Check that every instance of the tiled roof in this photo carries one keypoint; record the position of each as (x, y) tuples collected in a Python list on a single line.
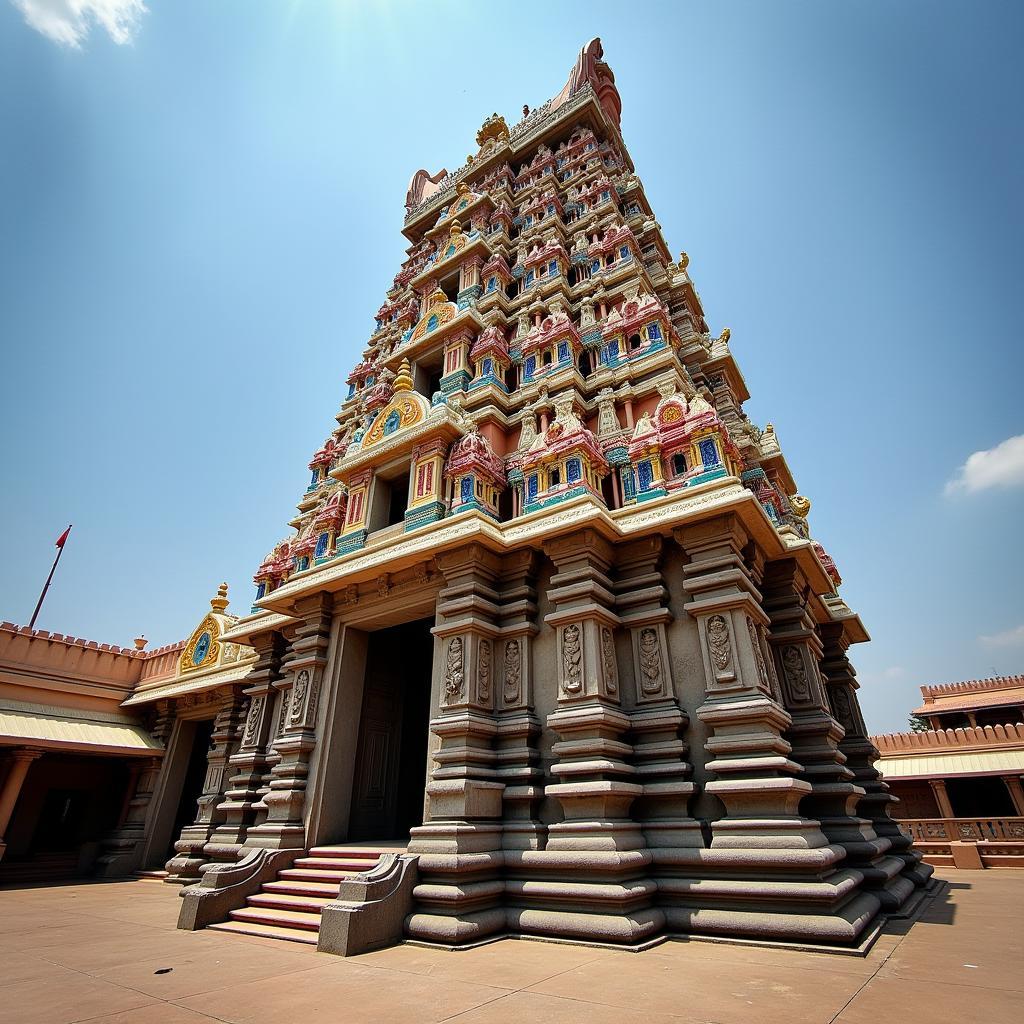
[(41, 725), (965, 762)]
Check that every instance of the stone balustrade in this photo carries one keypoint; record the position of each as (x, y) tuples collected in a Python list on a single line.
[(969, 842), (967, 830)]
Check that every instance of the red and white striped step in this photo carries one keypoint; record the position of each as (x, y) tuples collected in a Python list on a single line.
[(289, 907)]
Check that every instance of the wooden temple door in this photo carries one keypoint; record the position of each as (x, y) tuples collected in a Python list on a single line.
[(375, 787)]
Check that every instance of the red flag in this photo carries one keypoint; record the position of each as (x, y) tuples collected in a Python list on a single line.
[(63, 537)]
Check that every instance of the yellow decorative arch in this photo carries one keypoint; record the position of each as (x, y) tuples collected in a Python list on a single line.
[(439, 311), (200, 653), (402, 411)]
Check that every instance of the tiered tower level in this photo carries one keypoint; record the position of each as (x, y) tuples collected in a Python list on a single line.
[(643, 715)]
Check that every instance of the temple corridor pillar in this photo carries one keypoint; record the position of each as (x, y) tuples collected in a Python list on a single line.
[(18, 762), (1016, 791), (939, 791)]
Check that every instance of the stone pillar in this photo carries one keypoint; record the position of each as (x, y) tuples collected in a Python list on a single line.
[(459, 896), (17, 768), (815, 735), (279, 714), (657, 721), (596, 787), (303, 678), (596, 857), (238, 808), (516, 750), (861, 755), (941, 797), (1016, 791), (122, 849), (191, 854), (752, 774)]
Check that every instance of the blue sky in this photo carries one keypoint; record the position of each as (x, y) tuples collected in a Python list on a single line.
[(201, 212)]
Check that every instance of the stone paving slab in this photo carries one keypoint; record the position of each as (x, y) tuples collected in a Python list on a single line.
[(109, 954)]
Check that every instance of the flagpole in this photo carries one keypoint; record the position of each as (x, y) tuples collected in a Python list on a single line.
[(46, 585)]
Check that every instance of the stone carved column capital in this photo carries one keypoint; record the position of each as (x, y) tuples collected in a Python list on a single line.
[(586, 545)]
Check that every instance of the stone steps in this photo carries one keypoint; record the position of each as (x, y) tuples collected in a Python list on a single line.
[(350, 864), (289, 907), (287, 901), (346, 852), (282, 918), (303, 888), (317, 875), (266, 931)]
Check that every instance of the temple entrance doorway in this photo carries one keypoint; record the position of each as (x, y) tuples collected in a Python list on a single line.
[(192, 782), (391, 753)]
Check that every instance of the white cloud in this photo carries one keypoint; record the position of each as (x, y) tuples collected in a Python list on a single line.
[(894, 672), (1008, 638), (68, 22), (1002, 466)]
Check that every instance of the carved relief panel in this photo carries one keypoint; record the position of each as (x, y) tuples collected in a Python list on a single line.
[(253, 722), (608, 664), (801, 686), (454, 670), (483, 672), (512, 674), (845, 708), (650, 663), (470, 671), (766, 678), (303, 699), (719, 652), (587, 661), (570, 643)]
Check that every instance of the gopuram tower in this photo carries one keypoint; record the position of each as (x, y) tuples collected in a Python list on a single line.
[(551, 611)]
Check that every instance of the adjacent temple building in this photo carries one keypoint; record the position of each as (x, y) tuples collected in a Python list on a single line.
[(549, 649), (958, 781)]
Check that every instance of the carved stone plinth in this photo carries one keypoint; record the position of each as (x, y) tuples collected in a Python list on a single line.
[(516, 753), (191, 852), (458, 897), (238, 808), (657, 723), (810, 896), (841, 688), (597, 783), (303, 667), (815, 735)]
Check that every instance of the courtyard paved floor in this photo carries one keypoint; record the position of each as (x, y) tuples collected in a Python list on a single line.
[(109, 954)]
